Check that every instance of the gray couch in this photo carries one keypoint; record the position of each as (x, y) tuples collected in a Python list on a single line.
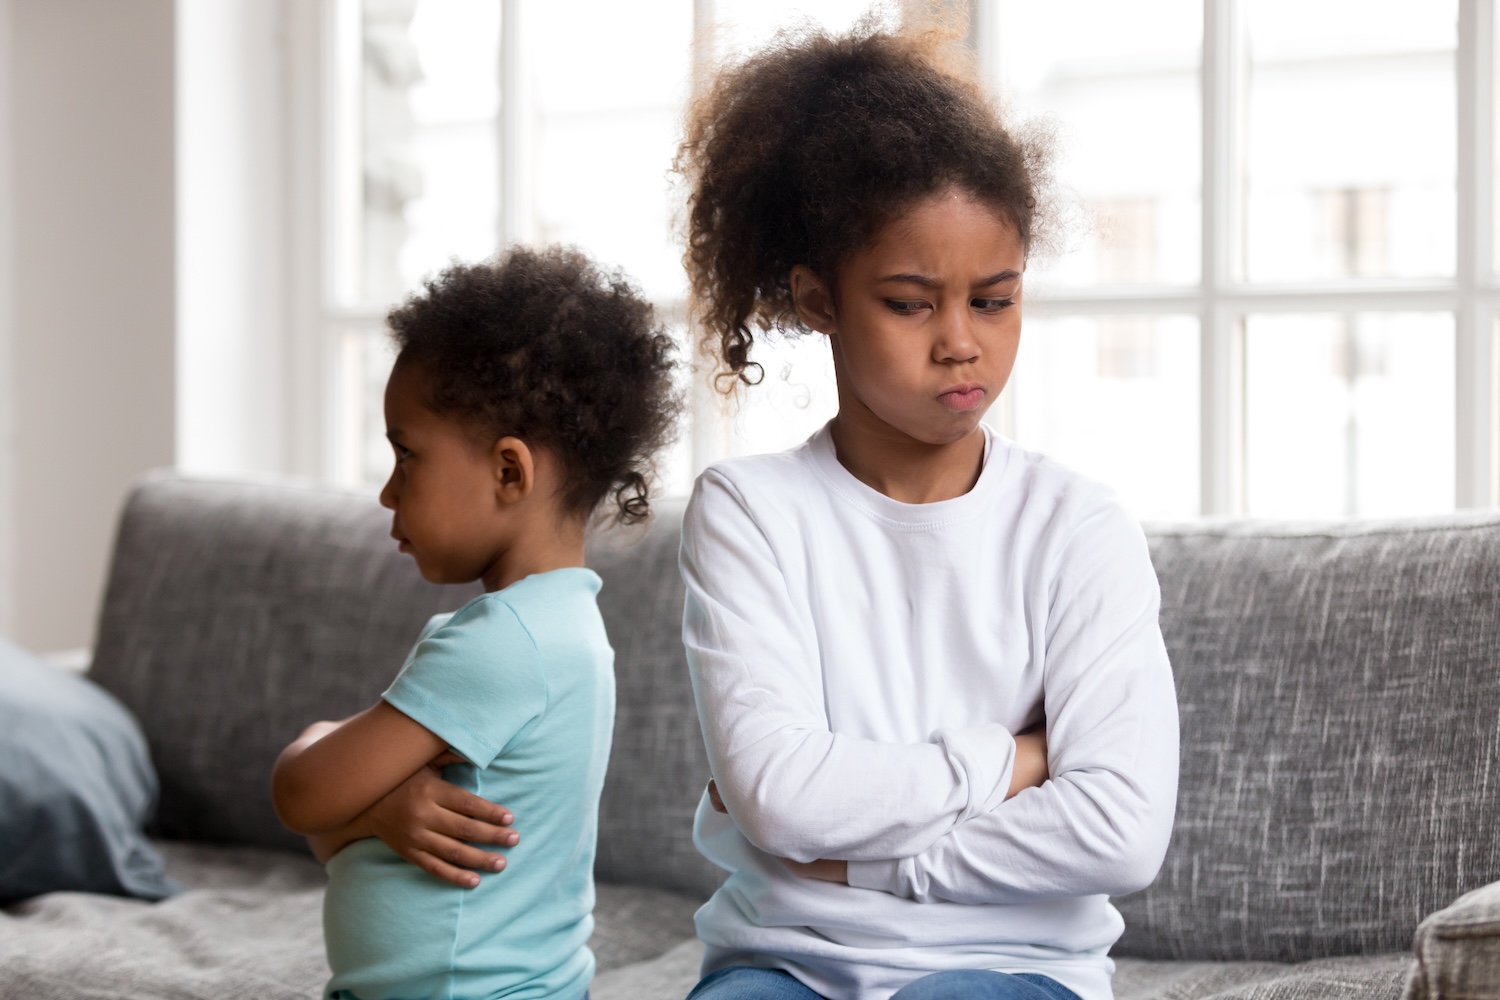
[(1340, 696)]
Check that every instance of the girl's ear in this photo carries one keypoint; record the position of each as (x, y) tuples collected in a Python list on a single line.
[(515, 469), (813, 300)]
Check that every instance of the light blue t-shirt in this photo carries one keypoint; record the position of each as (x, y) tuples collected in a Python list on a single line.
[(520, 683)]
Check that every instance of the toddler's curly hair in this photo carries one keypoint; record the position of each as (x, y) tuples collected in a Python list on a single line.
[(802, 153), (545, 345)]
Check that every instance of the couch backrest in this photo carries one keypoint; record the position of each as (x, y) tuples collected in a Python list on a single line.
[(1339, 690), (235, 614)]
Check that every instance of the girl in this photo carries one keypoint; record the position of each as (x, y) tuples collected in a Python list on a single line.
[(873, 615), (526, 390)]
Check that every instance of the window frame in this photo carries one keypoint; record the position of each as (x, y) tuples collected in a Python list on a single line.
[(1221, 301), (320, 392)]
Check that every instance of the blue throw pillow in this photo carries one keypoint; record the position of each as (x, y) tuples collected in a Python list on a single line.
[(76, 787)]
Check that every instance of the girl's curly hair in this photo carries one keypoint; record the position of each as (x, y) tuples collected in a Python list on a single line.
[(545, 345), (802, 153)]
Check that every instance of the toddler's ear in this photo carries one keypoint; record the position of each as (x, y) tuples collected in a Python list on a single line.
[(515, 469), (813, 300)]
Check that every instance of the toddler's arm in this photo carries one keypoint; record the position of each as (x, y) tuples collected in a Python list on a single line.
[(760, 700), (336, 770), (1100, 825), (432, 824)]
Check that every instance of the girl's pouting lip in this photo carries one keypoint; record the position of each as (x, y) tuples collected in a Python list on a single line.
[(962, 397)]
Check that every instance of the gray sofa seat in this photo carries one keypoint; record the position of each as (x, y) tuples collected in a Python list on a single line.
[(1340, 693)]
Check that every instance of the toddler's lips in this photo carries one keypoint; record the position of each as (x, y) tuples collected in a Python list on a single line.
[(962, 397)]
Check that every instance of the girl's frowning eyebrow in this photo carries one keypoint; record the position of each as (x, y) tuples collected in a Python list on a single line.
[(926, 282)]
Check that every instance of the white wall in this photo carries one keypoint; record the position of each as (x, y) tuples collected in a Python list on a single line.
[(7, 379), (91, 143)]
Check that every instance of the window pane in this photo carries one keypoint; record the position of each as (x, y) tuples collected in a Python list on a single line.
[(610, 82), (366, 354), (797, 394), (795, 398), (1121, 81), (1349, 414), (417, 172), (1115, 397), (742, 26), (1350, 166)]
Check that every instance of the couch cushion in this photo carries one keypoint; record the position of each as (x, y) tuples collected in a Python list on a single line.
[(1340, 703), (658, 767), (249, 928), (76, 787), (1458, 950), (1363, 977)]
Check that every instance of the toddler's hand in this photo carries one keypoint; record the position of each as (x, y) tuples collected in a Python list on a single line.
[(426, 821)]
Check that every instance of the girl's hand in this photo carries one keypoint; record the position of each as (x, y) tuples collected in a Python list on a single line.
[(427, 820), (1030, 768), (826, 869)]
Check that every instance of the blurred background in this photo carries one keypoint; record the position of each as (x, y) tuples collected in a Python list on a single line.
[(1276, 295)]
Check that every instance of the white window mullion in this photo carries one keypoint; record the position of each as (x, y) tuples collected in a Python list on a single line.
[(1221, 381), (1476, 410), (517, 137)]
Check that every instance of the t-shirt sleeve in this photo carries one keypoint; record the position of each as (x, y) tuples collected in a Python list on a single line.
[(475, 681)]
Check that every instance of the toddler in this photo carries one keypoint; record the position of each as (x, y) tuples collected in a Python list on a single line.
[(526, 390)]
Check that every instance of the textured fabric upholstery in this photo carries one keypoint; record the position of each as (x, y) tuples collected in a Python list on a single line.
[(658, 767), (248, 928), (1458, 950), (1340, 702)]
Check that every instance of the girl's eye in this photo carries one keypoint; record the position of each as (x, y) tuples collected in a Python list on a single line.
[(991, 305), (905, 307), (401, 453)]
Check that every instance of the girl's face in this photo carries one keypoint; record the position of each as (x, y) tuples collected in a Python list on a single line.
[(926, 322), (442, 491)]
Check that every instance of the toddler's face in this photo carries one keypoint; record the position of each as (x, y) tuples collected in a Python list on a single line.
[(442, 491), (928, 319)]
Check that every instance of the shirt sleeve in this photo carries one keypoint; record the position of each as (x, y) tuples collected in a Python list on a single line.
[(1102, 822), (794, 788), (475, 681)]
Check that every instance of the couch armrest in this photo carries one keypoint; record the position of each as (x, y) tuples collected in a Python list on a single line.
[(1458, 950)]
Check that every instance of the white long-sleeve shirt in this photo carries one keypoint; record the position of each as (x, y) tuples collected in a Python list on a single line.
[(860, 665)]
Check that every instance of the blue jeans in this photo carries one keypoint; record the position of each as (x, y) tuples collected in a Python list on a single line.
[(741, 982)]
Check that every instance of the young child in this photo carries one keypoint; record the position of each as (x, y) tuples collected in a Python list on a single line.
[(873, 615), (527, 389)]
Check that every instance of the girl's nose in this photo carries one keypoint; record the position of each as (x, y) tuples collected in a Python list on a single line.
[(955, 339), (388, 492)]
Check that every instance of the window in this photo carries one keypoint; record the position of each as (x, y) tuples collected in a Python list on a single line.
[(1280, 297), (1285, 277)]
